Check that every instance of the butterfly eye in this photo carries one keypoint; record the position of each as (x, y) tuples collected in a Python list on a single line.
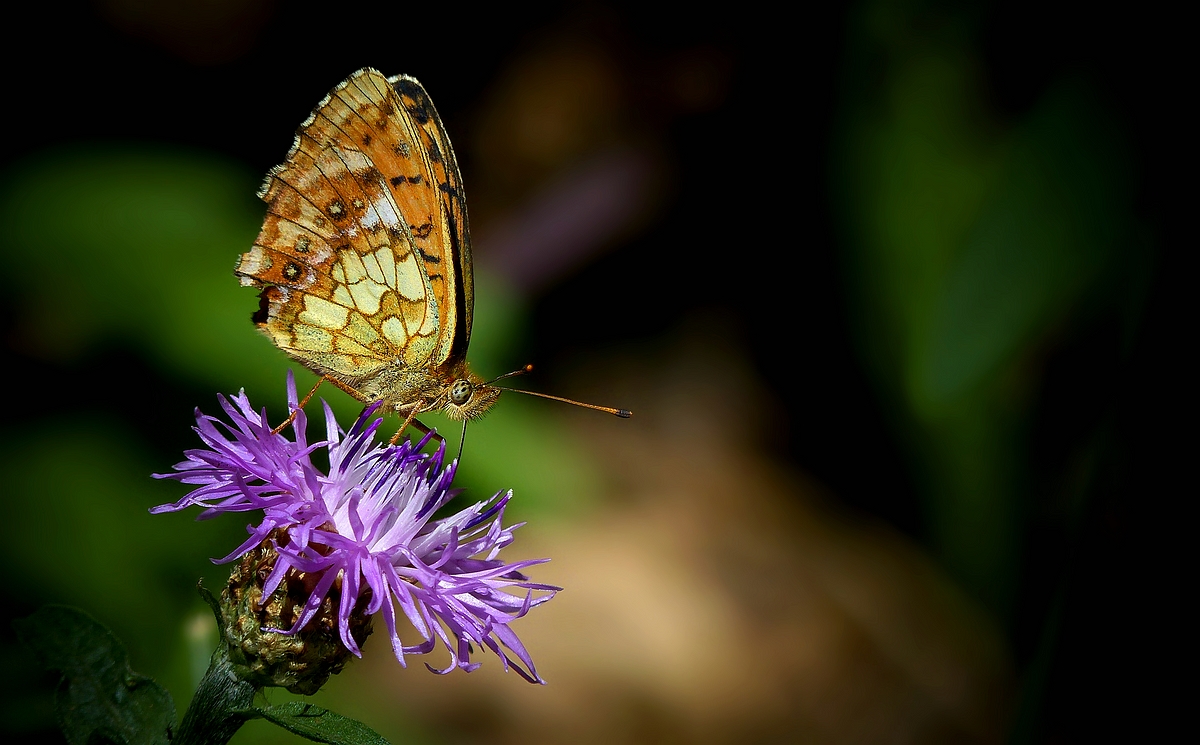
[(460, 391)]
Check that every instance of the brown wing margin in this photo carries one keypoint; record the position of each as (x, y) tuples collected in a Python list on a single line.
[(453, 205)]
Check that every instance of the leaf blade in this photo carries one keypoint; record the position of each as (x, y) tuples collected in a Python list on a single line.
[(318, 724), (100, 698)]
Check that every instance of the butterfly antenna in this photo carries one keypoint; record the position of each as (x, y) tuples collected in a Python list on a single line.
[(523, 371), (462, 441), (623, 413)]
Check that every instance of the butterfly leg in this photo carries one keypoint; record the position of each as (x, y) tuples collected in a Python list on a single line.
[(412, 414), (411, 420), (308, 396), (303, 402)]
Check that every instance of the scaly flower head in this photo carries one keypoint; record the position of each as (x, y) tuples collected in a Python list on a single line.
[(365, 530)]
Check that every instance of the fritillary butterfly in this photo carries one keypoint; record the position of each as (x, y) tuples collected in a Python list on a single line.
[(365, 257)]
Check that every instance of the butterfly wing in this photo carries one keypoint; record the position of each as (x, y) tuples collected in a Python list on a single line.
[(364, 237), (447, 235)]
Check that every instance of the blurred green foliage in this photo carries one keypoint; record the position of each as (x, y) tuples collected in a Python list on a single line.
[(973, 242), (134, 246)]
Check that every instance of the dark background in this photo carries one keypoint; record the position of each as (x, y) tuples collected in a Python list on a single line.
[(754, 221)]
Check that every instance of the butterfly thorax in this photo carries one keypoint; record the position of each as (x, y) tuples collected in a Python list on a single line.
[(453, 390)]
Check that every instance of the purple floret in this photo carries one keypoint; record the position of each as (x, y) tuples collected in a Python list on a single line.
[(371, 520)]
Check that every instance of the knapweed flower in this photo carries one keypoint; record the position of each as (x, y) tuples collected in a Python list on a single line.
[(366, 532)]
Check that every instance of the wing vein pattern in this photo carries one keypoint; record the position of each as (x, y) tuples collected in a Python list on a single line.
[(364, 254)]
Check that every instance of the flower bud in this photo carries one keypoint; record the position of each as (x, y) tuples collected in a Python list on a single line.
[(301, 662)]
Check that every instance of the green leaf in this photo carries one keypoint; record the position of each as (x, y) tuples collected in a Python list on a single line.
[(100, 699), (319, 725), (213, 605)]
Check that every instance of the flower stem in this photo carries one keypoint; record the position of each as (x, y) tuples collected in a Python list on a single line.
[(216, 711)]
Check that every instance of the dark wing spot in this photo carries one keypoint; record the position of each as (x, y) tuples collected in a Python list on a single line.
[(260, 316), (435, 153), (421, 231), (401, 148), (417, 103), (408, 88), (448, 189), (291, 271), (336, 209), (419, 114), (302, 244), (366, 140), (370, 175), (397, 180), (429, 259)]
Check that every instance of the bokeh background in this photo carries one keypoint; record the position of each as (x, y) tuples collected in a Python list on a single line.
[(891, 287)]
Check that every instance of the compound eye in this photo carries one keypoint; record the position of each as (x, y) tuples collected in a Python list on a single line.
[(460, 391)]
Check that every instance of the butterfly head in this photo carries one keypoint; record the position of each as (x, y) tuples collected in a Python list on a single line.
[(467, 396)]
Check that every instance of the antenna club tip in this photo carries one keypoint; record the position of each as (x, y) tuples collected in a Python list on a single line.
[(528, 368), (624, 413)]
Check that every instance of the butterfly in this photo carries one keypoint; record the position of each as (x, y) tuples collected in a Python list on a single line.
[(364, 255)]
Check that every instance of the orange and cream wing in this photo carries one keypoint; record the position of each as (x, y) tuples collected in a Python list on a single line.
[(361, 247)]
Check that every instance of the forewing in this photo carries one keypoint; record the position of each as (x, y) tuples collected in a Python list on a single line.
[(349, 286), (449, 236)]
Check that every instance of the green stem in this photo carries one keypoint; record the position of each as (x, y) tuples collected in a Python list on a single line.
[(216, 710)]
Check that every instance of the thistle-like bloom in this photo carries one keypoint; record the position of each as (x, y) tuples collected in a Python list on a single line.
[(367, 524)]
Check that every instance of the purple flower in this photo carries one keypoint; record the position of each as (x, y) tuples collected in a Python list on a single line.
[(369, 521)]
